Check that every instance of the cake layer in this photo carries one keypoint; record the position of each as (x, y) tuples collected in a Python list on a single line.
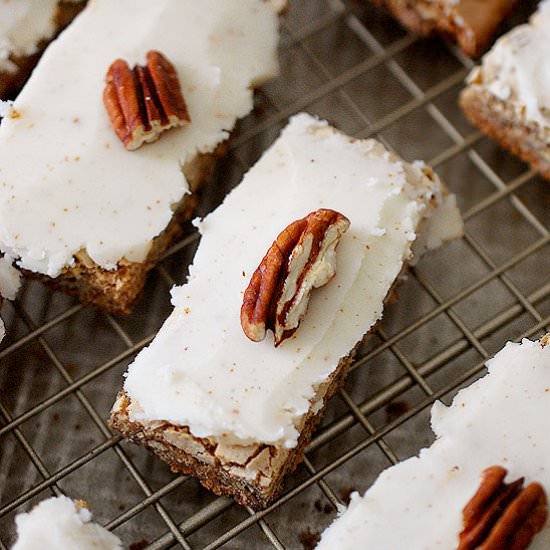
[(498, 420), (201, 371), (472, 23), (61, 523), (503, 123), (508, 95), (83, 192), (517, 69)]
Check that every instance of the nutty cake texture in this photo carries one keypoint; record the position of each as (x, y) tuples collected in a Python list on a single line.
[(471, 23)]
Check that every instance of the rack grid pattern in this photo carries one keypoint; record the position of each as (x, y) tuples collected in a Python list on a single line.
[(61, 364)]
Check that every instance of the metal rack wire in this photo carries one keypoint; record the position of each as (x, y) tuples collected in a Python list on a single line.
[(61, 365)]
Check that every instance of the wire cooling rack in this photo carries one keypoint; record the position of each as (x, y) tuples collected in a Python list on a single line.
[(61, 364)]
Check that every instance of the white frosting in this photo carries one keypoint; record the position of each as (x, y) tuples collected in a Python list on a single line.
[(10, 281), (501, 419), (517, 69), (23, 24), (66, 182), (201, 371), (445, 224), (5, 108), (59, 523)]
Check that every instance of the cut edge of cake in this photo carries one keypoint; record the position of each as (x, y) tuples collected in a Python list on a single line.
[(473, 33), (499, 120), (251, 474)]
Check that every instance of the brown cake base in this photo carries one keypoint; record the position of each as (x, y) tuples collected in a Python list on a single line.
[(499, 120), (471, 23), (252, 475)]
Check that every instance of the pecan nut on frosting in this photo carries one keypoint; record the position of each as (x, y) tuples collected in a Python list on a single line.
[(302, 257), (503, 516), (144, 101)]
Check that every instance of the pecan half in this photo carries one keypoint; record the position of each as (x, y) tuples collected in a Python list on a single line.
[(144, 101), (302, 257), (503, 516)]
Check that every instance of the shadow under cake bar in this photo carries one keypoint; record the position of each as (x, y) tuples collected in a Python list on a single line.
[(60, 523), (471, 23), (237, 413), (499, 422), (79, 210), (26, 26), (508, 95)]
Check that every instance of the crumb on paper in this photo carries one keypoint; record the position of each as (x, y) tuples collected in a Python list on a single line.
[(139, 545), (395, 409), (309, 539)]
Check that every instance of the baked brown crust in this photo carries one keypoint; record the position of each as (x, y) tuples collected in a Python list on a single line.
[(499, 120), (471, 23), (12, 81), (222, 476)]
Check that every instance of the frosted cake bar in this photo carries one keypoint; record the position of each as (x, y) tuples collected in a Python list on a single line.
[(86, 215), (502, 419), (236, 413), (508, 95)]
